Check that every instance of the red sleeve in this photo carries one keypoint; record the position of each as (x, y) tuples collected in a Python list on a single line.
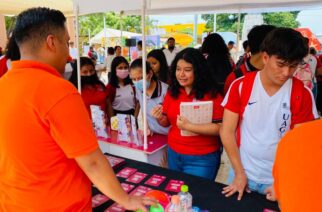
[(218, 110), (318, 63), (166, 102), (308, 110), (3, 65), (230, 79), (232, 99)]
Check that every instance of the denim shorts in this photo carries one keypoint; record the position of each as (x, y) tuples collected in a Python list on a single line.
[(205, 166)]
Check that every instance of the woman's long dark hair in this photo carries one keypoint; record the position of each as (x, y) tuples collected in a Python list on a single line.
[(203, 82), (113, 79), (163, 74), (83, 61), (218, 58)]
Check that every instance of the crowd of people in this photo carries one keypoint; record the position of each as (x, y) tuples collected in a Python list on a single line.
[(256, 102)]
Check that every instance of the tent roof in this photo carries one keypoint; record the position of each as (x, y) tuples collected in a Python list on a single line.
[(14, 7), (193, 6), (111, 33)]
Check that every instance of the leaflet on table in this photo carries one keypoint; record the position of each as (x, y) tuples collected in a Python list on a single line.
[(99, 122), (127, 130), (196, 113)]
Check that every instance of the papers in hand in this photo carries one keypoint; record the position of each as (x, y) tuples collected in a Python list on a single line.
[(196, 113), (99, 122)]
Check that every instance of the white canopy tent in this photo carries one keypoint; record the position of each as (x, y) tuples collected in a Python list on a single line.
[(111, 33), (143, 7)]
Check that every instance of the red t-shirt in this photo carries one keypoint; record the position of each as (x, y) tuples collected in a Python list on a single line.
[(190, 145), (3, 65), (94, 95)]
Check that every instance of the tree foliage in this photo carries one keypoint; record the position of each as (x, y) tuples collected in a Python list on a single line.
[(228, 22)]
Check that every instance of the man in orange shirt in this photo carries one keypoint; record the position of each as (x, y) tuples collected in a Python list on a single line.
[(48, 150), (297, 169)]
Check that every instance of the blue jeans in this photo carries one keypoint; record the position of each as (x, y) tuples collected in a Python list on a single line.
[(252, 185), (205, 166)]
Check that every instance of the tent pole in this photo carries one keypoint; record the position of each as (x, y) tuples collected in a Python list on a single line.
[(195, 30), (238, 32), (215, 22), (76, 9), (145, 141)]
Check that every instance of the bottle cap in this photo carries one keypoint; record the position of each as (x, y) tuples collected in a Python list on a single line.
[(175, 199), (184, 188), (156, 208)]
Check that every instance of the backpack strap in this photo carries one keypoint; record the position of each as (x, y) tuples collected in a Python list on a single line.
[(134, 98), (245, 93), (296, 99)]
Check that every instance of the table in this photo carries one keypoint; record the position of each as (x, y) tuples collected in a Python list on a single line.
[(156, 147), (206, 194)]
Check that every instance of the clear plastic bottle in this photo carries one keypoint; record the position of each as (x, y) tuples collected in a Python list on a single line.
[(174, 205), (185, 199)]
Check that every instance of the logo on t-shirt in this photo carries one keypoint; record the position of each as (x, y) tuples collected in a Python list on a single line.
[(285, 119), (250, 103)]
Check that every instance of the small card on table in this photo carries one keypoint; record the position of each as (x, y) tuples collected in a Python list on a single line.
[(137, 177), (174, 185), (127, 187), (126, 172), (155, 180), (140, 191), (98, 200)]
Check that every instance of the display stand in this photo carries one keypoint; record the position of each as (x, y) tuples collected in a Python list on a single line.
[(153, 154)]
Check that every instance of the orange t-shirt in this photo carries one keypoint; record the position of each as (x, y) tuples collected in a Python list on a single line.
[(44, 125), (297, 170)]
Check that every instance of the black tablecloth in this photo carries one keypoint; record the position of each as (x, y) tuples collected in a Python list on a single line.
[(206, 194)]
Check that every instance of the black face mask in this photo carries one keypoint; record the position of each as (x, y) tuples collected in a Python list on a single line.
[(171, 47), (89, 80)]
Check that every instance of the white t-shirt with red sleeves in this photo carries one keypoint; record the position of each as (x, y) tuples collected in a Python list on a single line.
[(265, 120)]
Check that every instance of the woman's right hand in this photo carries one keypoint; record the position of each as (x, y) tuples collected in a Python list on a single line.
[(156, 112)]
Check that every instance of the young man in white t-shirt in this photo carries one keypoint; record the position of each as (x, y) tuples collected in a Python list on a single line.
[(260, 108)]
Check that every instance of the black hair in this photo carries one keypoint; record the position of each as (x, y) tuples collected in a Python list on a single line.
[(203, 81), (12, 49), (231, 42), (256, 36), (113, 79), (83, 62), (245, 45), (171, 38), (35, 24), (312, 51), (110, 50), (115, 48), (137, 63), (287, 44), (163, 74), (139, 43), (218, 59)]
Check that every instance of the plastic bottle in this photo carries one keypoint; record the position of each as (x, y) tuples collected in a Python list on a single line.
[(174, 205), (185, 199)]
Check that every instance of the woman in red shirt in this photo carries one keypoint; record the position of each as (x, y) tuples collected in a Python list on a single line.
[(191, 82), (93, 90)]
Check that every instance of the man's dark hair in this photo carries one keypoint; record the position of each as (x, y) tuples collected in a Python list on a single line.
[(287, 44), (203, 81), (110, 50), (139, 43), (12, 49), (115, 48), (256, 36), (35, 24), (231, 42), (113, 80), (245, 45), (171, 38)]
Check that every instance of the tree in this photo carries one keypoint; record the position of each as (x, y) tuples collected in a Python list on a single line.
[(228, 22), (282, 19)]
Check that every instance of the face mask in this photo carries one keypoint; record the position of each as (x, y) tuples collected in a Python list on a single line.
[(171, 47), (139, 85), (89, 80), (122, 73)]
